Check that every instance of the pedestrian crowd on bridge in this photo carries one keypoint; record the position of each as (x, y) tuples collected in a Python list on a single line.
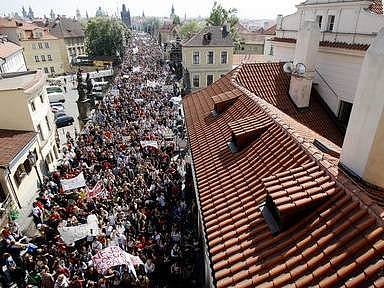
[(146, 205)]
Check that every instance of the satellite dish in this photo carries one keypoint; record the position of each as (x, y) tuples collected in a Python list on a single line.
[(300, 69), (288, 67)]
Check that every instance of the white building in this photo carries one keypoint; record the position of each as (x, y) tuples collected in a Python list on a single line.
[(24, 105), (11, 56), (347, 28)]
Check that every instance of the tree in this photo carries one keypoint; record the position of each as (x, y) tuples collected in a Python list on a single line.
[(189, 28), (106, 37), (220, 16)]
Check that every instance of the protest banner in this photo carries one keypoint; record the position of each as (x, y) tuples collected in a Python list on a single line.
[(97, 191), (73, 233), (149, 144), (114, 256), (73, 183)]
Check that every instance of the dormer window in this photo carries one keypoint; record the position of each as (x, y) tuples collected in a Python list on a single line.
[(293, 194), (248, 129), (222, 101)]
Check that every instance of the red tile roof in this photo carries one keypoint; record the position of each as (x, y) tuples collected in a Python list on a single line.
[(8, 48), (341, 45), (271, 83), (377, 7), (337, 237), (12, 142)]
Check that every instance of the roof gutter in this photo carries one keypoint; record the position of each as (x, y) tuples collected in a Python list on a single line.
[(201, 225)]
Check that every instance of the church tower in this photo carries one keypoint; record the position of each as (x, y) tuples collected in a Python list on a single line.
[(126, 16)]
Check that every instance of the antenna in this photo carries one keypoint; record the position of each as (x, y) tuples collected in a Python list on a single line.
[(288, 67), (300, 69)]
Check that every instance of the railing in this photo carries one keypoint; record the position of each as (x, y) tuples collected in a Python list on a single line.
[(350, 37)]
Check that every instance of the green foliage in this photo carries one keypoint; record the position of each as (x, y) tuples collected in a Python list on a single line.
[(106, 37), (220, 16), (189, 28)]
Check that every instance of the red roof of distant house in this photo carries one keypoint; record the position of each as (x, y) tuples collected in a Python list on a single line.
[(12, 142), (377, 7), (341, 45), (333, 232), (8, 48)]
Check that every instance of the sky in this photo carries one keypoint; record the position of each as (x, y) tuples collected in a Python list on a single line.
[(251, 9)]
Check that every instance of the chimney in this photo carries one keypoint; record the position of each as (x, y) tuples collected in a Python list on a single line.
[(225, 30), (362, 151), (279, 22), (307, 45)]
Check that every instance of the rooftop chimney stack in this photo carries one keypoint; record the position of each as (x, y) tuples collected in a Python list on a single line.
[(306, 51), (363, 150)]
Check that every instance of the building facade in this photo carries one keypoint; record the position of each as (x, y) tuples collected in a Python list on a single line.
[(11, 56), (19, 173), (347, 29), (25, 107), (42, 50), (207, 56), (72, 33)]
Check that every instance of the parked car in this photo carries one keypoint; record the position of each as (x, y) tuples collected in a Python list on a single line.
[(64, 121), (59, 114), (57, 106), (56, 97), (54, 89)]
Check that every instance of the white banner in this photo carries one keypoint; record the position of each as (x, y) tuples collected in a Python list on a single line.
[(114, 256), (73, 233), (149, 143), (73, 183)]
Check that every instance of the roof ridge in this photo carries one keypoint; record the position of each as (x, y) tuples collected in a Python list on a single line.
[(327, 163)]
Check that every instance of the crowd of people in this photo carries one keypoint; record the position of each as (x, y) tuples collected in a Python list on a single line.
[(147, 205)]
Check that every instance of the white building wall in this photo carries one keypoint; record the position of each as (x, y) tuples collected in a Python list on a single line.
[(340, 70)]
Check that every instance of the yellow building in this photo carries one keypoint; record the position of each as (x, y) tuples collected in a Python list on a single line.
[(207, 56), (42, 50)]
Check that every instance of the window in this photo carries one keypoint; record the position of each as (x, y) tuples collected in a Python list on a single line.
[(224, 57), (52, 69), (33, 106), (37, 59), (271, 50), (209, 79), (46, 70), (210, 57), (49, 57), (47, 121), (196, 81), (319, 20), (43, 58), (46, 44), (40, 132), (41, 98), (196, 58), (331, 22), (40, 45), (33, 45)]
